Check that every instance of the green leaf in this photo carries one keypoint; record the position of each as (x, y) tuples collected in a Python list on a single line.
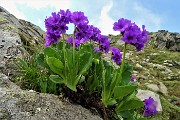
[(55, 65), (51, 52), (126, 75), (122, 91), (86, 48), (85, 62), (56, 79), (72, 87), (127, 115), (129, 104), (43, 85), (41, 61), (52, 88), (111, 102), (60, 45)]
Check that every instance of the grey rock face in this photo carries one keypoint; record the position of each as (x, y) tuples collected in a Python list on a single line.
[(15, 34), (17, 104), (9, 43), (169, 40)]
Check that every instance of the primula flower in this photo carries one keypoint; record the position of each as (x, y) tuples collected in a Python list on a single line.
[(96, 49), (149, 107), (145, 33), (132, 78), (132, 34), (129, 37), (116, 55), (79, 18), (56, 25), (76, 41), (65, 16), (51, 38), (121, 25), (83, 32), (104, 43), (95, 33)]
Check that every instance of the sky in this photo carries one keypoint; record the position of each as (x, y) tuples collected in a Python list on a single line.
[(154, 14)]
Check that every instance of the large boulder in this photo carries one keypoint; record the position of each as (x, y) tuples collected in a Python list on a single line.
[(16, 39), (165, 39), (17, 104)]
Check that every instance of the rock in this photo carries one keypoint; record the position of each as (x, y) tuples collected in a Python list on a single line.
[(144, 63), (171, 63), (160, 67), (154, 54), (173, 77), (128, 55), (16, 35), (138, 66), (160, 87), (163, 88), (144, 94), (153, 87), (17, 104), (2, 65), (169, 40), (147, 60), (167, 71)]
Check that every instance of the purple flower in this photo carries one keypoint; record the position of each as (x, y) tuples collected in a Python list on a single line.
[(95, 33), (121, 25), (65, 16), (144, 32), (132, 34), (96, 49), (62, 28), (79, 18), (139, 47), (76, 41), (55, 26), (83, 32), (129, 37), (51, 38), (116, 55), (104, 43), (132, 78), (149, 107)]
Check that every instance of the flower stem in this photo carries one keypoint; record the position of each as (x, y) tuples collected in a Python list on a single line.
[(64, 52), (74, 45), (123, 62)]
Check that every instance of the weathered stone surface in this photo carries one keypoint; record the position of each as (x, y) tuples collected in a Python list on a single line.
[(15, 36), (163, 88), (153, 87), (145, 94), (158, 87), (17, 104), (165, 39)]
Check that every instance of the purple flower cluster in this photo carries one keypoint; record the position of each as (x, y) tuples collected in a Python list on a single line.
[(149, 107), (116, 55), (57, 25), (132, 34)]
